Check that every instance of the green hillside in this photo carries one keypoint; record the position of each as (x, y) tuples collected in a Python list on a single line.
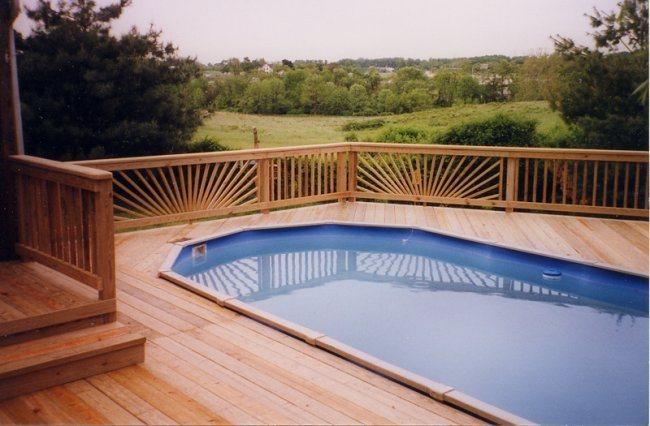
[(234, 130)]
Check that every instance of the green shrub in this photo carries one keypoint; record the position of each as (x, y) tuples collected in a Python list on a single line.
[(351, 137), (500, 130), (403, 135), (375, 123), (562, 137), (207, 144)]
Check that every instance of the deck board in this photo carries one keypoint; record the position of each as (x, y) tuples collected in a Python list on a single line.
[(26, 289), (207, 364)]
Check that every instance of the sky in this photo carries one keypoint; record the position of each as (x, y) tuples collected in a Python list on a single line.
[(212, 30)]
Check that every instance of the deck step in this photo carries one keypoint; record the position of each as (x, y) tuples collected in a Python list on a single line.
[(54, 360)]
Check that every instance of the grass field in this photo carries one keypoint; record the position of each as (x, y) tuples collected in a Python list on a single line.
[(235, 130)]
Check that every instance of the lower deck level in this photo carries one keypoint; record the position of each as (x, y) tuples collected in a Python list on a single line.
[(207, 364)]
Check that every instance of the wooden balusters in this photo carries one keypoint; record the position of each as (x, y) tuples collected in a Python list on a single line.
[(151, 190), (263, 183), (512, 170), (353, 162), (341, 174), (66, 222)]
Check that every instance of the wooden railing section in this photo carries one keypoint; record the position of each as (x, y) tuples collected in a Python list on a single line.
[(66, 222), (560, 180), (163, 189)]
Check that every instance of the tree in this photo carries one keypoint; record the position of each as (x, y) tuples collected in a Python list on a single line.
[(628, 27), (468, 89), (536, 77), (336, 101), (293, 80), (86, 93), (229, 91), (313, 94), (232, 65), (387, 101), (445, 83), (265, 97), (415, 100), (358, 99), (373, 81), (409, 78), (595, 92), (499, 80), (597, 88)]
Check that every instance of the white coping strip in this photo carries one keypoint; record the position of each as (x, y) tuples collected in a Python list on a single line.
[(171, 258)]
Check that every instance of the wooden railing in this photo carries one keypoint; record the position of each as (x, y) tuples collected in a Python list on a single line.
[(171, 188), (163, 189), (65, 216), (561, 180)]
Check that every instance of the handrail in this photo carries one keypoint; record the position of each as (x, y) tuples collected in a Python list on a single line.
[(497, 151), (65, 216), (125, 163), (60, 167), (129, 163), (170, 188)]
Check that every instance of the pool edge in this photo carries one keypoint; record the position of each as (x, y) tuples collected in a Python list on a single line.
[(594, 264), (435, 390)]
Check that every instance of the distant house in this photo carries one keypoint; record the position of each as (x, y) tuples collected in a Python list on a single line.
[(267, 68)]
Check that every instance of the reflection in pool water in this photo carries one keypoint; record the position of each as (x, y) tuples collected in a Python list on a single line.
[(476, 317)]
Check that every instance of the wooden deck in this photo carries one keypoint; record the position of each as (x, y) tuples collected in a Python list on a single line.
[(26, 289), (33, 297), (207, 364)]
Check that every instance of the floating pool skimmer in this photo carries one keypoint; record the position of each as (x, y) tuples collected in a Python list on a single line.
[(551, 274)]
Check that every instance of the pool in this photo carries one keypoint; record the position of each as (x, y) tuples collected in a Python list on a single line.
[(547, 339)]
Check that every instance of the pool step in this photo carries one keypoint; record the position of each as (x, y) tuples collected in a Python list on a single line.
[(49, 361)]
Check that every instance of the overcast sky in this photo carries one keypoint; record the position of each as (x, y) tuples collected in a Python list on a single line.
[(212, 30)]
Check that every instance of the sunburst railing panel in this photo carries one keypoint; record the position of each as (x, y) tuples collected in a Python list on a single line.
[(440, 178), (178, 192)]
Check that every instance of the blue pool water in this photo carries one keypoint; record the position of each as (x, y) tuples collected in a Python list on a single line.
[(480, 318)]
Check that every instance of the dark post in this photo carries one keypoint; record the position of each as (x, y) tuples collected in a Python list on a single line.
[(11, 137), (256, 141)]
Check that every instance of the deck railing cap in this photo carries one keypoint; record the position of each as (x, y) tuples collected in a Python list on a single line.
[(255, 154), (61, 167)]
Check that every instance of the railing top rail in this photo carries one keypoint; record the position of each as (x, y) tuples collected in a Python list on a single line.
[(87, 178), (127, 163), (499, 151), (256, 154), (60, 167)]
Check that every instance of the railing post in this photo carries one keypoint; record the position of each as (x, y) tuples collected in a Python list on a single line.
[(352, 174), (105, 242), (256, 140), (341, 174), (10, 128), (512, 172), (263, 183)]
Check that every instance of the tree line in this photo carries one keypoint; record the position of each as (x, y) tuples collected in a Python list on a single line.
[(341, 89)]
